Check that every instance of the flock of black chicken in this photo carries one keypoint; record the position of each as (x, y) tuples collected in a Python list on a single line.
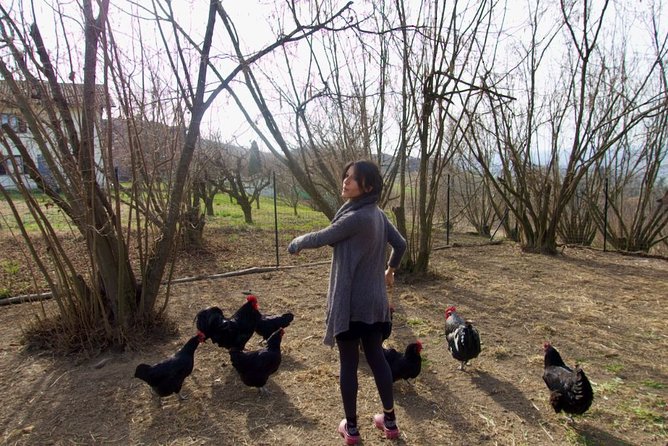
[(254, 367), (570, 390)]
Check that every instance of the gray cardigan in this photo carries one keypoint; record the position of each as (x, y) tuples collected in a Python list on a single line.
[(357, 290)]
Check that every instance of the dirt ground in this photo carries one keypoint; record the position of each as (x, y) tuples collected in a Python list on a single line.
[(604, 310)]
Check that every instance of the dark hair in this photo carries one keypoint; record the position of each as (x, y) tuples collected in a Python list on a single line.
[(367, 174)]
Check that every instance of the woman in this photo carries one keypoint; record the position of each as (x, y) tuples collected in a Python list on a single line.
[(357, 304)]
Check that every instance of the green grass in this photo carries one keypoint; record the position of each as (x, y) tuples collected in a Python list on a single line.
[(415, 322), (614, 368), (611, 386), (652, 417), (647, 415), (10, 267), (426, 362), (577, 439), (226, 214), (420, 327), (56, 218), (230, 215), (653, 384)]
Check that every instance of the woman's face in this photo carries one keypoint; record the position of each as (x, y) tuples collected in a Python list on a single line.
[(351, 188)]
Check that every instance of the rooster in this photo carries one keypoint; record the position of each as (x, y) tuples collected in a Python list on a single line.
[(232, 333), (570, 390), (255, 367), (405, 365), (166, 377), (209, 323), (267, 325), (462, 337)]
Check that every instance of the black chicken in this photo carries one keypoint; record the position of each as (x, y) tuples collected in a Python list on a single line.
[(166, 377), (209, 323), (267, 325), (462, 337), (255, 367), (232, 333), (405, 365), (570, 390)]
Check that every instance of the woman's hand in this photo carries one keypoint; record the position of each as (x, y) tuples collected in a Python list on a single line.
[(389, 277), (293, 246)]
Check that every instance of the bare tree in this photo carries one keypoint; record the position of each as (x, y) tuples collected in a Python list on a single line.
[(288, 190), (544, 154), (273, 136), (62, 117), (577, 225), (450, 44), (475, 200), (635, 220), (239, 173)]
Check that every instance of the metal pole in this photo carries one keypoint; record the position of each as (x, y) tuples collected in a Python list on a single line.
[(505, 215), (447, 214), (275, 220)]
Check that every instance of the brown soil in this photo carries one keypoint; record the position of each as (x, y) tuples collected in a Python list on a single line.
[(603, 310)]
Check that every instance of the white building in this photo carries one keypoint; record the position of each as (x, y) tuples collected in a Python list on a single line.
[(13, 166)]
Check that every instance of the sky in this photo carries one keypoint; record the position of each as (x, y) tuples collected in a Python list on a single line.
[(252, 18)]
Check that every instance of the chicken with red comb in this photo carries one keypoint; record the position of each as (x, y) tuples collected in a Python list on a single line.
[(232, 333), (406, 365), (461, 336), (570, 389)]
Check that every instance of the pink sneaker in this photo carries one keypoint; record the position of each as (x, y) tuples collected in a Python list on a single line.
[(343, 430), (379, 422)]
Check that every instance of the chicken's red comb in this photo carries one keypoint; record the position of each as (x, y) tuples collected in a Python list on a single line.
[(451, 309), (253, 300), (419, 344), (546, 345)]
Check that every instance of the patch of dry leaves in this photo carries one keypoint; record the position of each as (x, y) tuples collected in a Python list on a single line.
[(603, 310)]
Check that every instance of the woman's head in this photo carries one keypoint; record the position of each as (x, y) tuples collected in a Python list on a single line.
[(360, 179)]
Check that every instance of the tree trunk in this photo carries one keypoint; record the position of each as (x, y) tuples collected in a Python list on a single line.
[(247, 210)]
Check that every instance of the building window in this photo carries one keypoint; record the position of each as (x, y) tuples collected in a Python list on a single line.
[(6, 166), (17, 124)]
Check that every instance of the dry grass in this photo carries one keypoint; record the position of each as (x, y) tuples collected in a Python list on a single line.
[(603, 310)]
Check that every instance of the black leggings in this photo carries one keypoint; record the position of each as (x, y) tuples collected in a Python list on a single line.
[(349, 361)]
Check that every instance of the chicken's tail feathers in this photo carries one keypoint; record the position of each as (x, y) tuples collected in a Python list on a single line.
[(473, 332), (465, 342), (582, 385)]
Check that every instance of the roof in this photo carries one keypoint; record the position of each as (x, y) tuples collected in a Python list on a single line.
[(73, 92)]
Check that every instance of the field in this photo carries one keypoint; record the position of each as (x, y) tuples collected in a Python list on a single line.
[(603, 310)]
